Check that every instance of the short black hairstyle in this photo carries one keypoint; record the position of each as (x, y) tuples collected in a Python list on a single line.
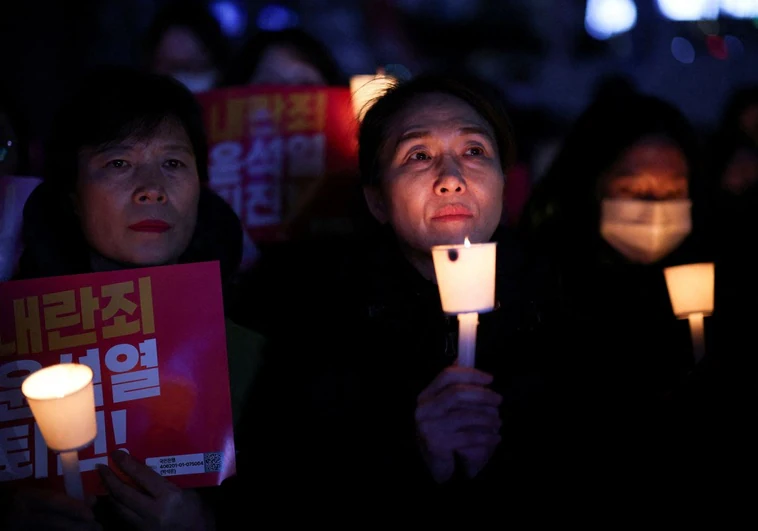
[(113, 103)]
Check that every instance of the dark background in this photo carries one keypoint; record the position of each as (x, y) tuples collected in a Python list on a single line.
[(538, 51)]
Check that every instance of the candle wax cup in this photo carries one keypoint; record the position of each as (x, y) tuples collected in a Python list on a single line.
[(691, 288), (466, 277), (62, 400)]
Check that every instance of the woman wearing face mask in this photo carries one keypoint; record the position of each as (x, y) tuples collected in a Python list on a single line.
[(621, 201), (288, 57), (186, 42), (126, 188)]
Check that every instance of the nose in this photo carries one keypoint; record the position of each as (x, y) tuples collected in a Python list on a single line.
[(150, 190), (450, 178), (150, 195)]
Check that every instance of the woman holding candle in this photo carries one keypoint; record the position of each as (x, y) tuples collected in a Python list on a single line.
[(125, 188), (623, 200), (387, 406)]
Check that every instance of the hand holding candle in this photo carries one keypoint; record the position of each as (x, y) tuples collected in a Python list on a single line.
[(62, 400), (466, 282), (691, 289)]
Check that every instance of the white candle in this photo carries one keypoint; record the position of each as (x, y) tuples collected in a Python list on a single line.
[(72, 478), (465, 276), (691, 289), (467, 323), (62, 400), (698, 335), (466, 282)]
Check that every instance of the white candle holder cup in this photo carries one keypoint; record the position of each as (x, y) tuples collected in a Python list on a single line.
[(62, 400), (691, 290), (466, 281)]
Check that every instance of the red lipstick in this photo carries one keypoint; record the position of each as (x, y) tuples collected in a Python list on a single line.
[(150, 225), (452, 213)]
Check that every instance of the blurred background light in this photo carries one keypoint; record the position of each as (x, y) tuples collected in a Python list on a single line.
[(740, 8), (689, 9), (606, 18), (274, 17), (682, 50), (231, 17)]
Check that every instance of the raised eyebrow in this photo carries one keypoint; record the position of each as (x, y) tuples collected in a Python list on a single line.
[(476, 130), (113, 148), (118, 148), (415, 134), (180, 147), (412, 135)]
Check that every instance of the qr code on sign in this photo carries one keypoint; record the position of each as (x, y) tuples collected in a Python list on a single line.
[(213, 461)]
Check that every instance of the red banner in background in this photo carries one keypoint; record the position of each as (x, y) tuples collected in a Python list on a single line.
[(155, 339), (273, 151)]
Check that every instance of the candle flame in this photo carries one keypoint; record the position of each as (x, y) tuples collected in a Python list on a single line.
[(466, 242)]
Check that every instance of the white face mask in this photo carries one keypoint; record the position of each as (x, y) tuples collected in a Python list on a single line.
[(645, 231), (197, 81)]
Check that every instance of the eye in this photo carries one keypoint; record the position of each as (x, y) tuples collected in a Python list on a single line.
[(475, 151), (117, 163), (174, 164), (419, 155)]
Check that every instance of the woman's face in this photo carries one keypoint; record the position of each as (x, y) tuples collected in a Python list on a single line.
[(182, 55), (441, 179), (280, 66), (137, 200), (181, 51), (652, 169)]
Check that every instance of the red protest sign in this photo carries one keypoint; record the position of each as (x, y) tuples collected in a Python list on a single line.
[(273, 150), (155, 340)]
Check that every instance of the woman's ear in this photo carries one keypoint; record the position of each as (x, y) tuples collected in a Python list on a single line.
[(375, 202)]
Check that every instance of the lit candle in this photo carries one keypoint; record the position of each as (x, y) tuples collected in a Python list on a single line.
[(365, 89), (466, 281), (691, 289), (62, 400)]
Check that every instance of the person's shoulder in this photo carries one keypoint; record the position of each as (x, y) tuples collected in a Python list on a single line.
[(528, 280), (238, 336), (511, 250), (518, 262), (245, 358)]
